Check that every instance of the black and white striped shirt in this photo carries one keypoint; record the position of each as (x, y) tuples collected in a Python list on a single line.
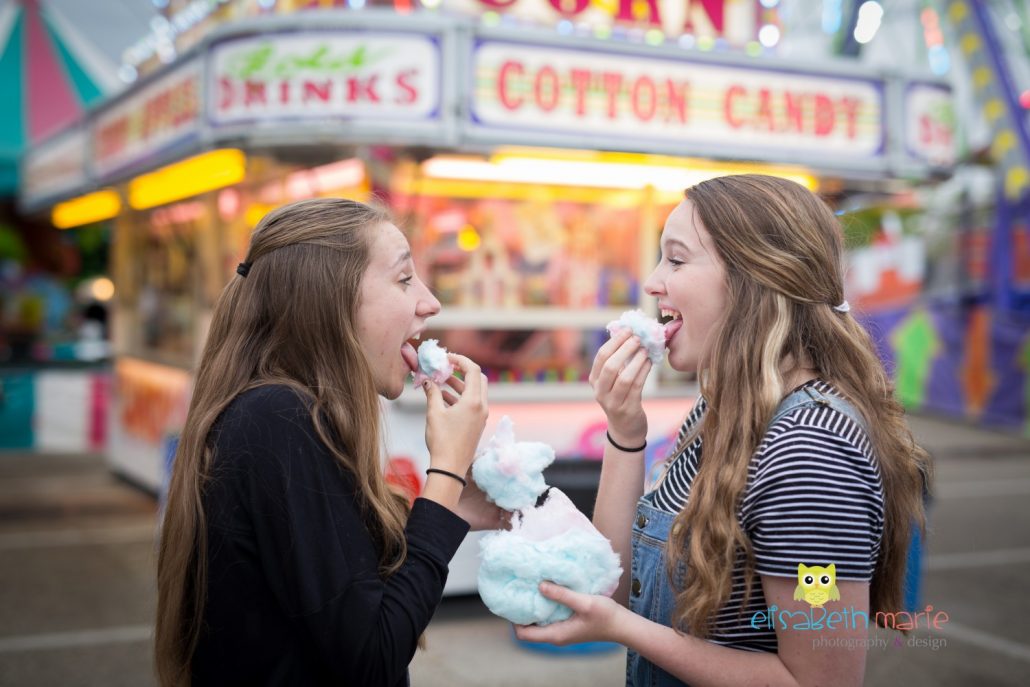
[(813, 496)]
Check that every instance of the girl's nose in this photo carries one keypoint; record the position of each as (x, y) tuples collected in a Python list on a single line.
[(428, 305), (653, 285)]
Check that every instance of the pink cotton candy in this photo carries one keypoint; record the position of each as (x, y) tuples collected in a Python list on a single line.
[(433, 363), (651, 332)]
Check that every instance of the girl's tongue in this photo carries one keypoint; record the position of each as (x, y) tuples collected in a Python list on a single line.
[(670, 330), (410, 356)]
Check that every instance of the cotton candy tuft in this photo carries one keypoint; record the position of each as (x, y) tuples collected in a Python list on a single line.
[(433, 363), (650, 331), (510, 472)]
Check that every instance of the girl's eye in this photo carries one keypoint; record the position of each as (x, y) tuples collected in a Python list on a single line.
[(407, 280), (674, 262)]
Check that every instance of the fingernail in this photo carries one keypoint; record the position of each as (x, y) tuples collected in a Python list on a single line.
[(425, 385)]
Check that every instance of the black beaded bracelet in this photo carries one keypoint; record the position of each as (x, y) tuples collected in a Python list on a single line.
[(625, 449), (449, 474)]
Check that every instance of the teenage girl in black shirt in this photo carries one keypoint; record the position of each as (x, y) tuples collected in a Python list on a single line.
[(285, 558)]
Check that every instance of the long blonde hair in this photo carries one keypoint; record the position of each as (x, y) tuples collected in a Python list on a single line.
[(782, 251), (290, 321)]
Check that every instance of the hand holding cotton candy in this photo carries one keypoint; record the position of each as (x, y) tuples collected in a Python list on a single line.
[(433, 363), (650, 331), (553, 542), (511, 472)]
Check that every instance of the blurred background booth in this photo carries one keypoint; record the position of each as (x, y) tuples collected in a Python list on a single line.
[(531, 160)]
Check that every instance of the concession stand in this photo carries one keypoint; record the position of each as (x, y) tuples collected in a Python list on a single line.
[(531, 170)]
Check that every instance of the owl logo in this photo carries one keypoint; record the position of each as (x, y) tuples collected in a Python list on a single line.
[(817, 585)]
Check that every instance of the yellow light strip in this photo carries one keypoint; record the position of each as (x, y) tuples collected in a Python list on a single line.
[(190, 177), (599, 170), (475, 189), (92, 207)]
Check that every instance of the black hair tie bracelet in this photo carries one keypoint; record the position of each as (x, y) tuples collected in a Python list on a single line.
[(452, 475), (625, 449)]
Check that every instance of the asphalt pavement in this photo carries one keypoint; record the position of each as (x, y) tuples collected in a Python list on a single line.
[(77, 583)]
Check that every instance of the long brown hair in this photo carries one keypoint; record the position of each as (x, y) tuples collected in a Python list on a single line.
[(290, 320), (783, 255)]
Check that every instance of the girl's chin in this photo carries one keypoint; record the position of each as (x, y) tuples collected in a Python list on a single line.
[(680, 363)]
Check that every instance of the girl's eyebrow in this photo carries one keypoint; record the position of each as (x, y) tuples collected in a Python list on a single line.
[(403, 258), (677, 242)]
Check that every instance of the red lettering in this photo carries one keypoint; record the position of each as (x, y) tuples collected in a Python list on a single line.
[(192, 107), (225, 93), (654, 17), (317, 91), (613, 86), (184, 98), (546, 89), (645, 99), (580, 82), (824, 115), (764, 115), (111, 139), (732, 93), (254, 92), (362, 89), (503, 92), (284, 92), (676, 101), (794, 112), (569, 8), (850, 107), (714, 13), (410, 93)]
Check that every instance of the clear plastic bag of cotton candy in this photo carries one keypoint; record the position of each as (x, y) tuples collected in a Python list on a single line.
[(550, 541)]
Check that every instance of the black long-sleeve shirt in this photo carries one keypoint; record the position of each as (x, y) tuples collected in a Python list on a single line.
[(293, 592)]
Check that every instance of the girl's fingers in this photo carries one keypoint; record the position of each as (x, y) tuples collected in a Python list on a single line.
[(456, 384), (432, 395), (605, 352), (448, 398), (473, 375), (630, 374), (618, 360)]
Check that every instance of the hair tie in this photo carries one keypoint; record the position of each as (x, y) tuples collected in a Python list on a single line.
[(243, 268), (843, 307)]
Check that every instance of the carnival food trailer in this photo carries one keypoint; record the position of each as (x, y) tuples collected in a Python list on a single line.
[(531, 171)]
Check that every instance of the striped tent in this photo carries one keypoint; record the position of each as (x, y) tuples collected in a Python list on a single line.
[(48, 75)]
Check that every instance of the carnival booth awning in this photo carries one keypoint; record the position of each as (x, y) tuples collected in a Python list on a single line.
[(49, 74)]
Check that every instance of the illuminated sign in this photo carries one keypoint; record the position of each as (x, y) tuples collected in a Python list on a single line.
[(325, 75), (55, 167), (159, 115), (930, 124), (521, 88), (733, 20)]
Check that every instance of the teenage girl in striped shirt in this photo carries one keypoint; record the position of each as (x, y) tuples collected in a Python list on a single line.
[(807, 457)]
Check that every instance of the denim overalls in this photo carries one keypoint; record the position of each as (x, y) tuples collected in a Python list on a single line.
[(650, 593)]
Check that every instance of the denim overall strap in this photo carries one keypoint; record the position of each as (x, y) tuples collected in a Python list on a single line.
[(650, 594), (810, 397)]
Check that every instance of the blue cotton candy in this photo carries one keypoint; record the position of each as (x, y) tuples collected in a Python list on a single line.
[(554, 542), (648, 329), (433, 363), (510, 472)]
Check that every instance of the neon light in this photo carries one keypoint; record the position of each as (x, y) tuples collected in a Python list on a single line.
[(87, 209), (193, 176)]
